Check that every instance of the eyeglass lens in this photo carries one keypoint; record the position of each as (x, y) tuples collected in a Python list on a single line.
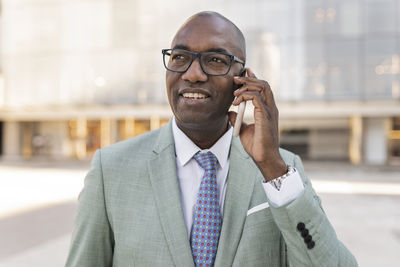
[(211, 62)]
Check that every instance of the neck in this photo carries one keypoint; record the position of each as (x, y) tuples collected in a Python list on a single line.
[(204, 135)]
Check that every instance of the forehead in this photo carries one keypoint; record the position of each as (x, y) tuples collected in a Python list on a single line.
[(206, 34)]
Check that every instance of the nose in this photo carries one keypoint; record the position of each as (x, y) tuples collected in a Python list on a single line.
[(195, 73)]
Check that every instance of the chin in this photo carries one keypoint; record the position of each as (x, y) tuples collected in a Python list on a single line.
[(199, 120), (192, 119)]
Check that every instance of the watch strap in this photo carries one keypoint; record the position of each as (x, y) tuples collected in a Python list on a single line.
[(277, 182)]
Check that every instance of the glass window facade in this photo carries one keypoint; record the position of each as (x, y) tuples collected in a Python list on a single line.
[(108, 51), (380, 16), (381, 68), (343, 69)]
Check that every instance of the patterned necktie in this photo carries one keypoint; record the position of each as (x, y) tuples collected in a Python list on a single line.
[(207, 218)]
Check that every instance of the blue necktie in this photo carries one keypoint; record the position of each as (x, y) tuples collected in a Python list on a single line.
[(207, 218)]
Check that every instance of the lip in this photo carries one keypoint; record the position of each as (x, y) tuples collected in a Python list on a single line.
[(193, 101), (194, 90)]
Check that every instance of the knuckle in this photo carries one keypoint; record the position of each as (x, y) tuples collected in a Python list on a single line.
[(268, 115)]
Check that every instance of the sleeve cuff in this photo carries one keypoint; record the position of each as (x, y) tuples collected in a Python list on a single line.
[(292, 187)]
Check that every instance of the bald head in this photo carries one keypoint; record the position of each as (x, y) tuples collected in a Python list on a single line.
[(222, 28)]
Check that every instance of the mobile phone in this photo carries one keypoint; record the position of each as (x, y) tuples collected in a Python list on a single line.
[(240, 113), (239, 118)]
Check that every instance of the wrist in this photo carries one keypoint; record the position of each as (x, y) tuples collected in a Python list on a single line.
[(277, 182), (273, 170)]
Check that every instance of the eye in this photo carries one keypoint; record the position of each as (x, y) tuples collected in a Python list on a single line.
[(216, 60), (178, 57)]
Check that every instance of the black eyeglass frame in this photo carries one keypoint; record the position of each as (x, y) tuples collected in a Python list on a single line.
[(199, 55)]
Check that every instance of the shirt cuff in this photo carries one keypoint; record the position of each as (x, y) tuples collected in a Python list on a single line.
[(292, 187)]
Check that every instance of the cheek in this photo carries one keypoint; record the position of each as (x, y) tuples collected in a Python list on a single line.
[(230, 87), (170, 81), (226, 92)]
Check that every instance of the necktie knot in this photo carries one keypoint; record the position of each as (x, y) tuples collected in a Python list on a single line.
[(207, 160)]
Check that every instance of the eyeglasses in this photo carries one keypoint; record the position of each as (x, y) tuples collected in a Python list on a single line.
[(212, 63)]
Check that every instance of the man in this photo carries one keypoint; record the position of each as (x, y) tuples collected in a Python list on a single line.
[(190, 193)]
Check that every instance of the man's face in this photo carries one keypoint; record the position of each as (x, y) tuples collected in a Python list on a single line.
[(198, 99)]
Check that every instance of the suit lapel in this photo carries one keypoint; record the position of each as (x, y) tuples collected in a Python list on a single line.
[(238, 195), (163, 177)]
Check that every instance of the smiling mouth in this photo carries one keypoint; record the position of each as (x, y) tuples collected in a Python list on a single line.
[(194, 95)]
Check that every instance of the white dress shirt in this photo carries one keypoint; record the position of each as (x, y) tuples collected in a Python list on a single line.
[(190, 173)]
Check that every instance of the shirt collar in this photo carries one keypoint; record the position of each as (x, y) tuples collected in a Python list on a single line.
[(186, 149)]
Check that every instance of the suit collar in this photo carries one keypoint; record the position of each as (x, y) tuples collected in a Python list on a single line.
[(241, 178), (165, 138), (166, 192), (241, 181)]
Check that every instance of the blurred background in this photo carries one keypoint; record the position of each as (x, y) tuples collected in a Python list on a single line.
[(77, 75)]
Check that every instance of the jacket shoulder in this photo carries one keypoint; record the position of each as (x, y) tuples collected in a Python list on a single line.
[(141, 146), (287, 156)]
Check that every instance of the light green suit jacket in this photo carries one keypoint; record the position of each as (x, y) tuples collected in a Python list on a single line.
[(130, 213)]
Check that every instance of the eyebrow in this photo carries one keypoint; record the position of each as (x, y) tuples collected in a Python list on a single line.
[(213, 49)]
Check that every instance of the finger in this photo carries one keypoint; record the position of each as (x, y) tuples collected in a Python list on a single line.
[(254, 96), (259, 86), (250, 73), (256, 85), (232, 118), (253, 82), (238, 80), (236, 119), (269, 95), (244, 80), (245, 88), (269, 112), (257, 100)]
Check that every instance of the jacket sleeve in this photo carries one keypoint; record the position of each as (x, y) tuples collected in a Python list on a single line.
[(308, 234), (92, 238)]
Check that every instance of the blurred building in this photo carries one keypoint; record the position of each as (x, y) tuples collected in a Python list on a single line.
[(76, 75)]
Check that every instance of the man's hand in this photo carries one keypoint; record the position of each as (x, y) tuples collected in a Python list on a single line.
[(261, 139)]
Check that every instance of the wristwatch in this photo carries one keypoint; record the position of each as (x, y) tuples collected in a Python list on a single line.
[(277, 182)]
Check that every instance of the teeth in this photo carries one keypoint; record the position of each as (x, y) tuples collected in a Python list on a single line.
[(194, 95)]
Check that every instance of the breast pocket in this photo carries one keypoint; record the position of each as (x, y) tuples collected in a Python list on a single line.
[(260, 241), (259, 219)]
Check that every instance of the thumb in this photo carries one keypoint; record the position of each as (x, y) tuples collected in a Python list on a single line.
[(232, 117)]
